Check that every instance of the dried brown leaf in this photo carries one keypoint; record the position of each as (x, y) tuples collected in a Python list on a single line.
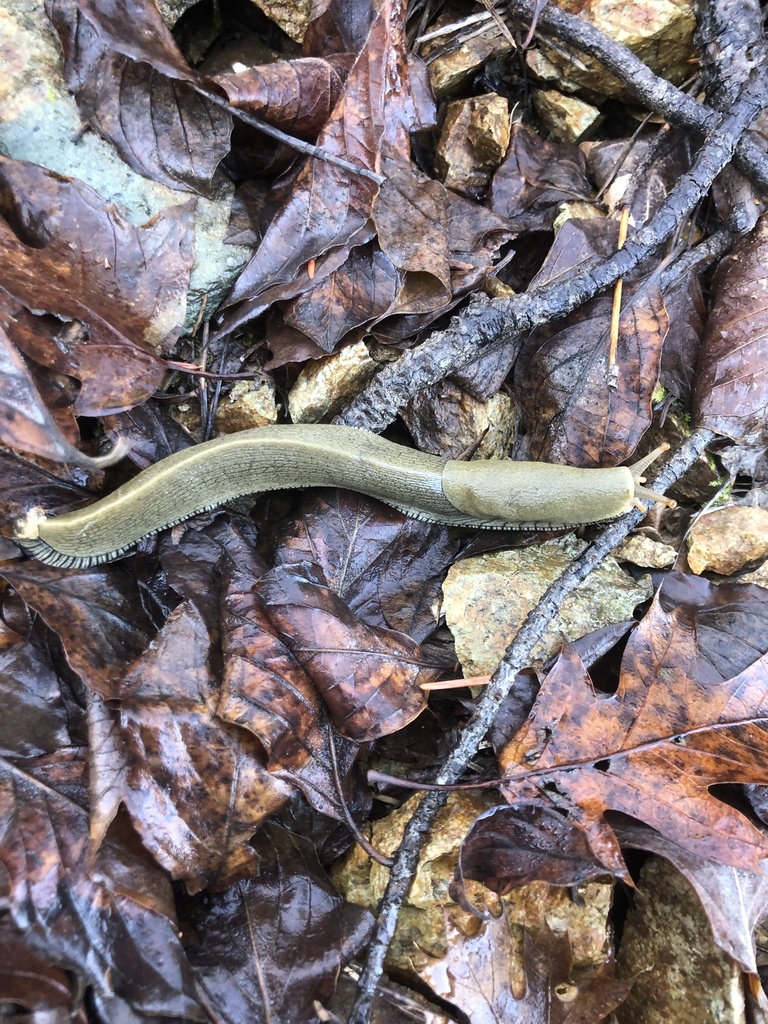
[(36, 718), (29, 981), (387, 567), (512, 846), (653, 750), (475, 977), (25, 422), (535, 179), (97, 615), (327, 212), (735, 901)]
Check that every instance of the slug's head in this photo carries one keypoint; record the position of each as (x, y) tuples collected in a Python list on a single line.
[(538, 494)]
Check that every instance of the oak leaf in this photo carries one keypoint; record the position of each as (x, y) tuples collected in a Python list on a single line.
[(653, 750)]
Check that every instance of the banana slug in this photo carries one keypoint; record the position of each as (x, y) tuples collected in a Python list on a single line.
[(501, 494)]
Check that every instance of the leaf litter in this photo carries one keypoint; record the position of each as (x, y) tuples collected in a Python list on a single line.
[(174, 722)]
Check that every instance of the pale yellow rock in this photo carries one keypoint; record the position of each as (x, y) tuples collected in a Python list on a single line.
[(325, 384), (727, 539), (566, 117), (681, 976), (473, 142), (646, 552), (291, 15), (249, 404), (487, 598), (579, 209), (452, 62), (429, 912), (759, 577), (659, 32)]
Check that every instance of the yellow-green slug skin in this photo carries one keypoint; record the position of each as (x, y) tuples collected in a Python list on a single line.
[(507, 494)]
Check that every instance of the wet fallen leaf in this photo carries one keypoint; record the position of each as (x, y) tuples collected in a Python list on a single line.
[(133, 85), (72, 913), (653, 750), (731, 392), (267, 948)]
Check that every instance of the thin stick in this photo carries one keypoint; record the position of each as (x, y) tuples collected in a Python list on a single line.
[(613, 372), (457, 684), (298, 144)]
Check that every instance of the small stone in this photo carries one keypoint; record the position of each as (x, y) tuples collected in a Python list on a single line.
[(566, 117), (324, 385), (450, 65), (727, 539), (487, 598), (473, 142), (447, 421), (646, 552), (250, 403)]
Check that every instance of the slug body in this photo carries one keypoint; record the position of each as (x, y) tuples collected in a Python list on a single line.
[(501, 494)]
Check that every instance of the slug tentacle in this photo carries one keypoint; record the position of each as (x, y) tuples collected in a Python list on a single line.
[(637, 469), (499, 494)]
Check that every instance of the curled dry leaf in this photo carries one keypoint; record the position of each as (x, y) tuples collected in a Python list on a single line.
[(297, 96), (535, 179), (507, 847), (25, 422)]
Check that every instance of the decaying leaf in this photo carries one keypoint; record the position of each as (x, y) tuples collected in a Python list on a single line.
[(730, 395), (133, 85), (674, 729), (578, 411), (65, 251), (267, 948), (112, 922), (475, 976)]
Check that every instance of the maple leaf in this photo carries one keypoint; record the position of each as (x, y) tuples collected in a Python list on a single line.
[(673, 729)]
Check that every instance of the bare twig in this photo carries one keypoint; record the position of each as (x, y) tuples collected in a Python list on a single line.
[(298, 144)]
